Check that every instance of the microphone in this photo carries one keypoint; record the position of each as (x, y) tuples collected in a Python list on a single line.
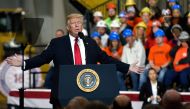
[(81, 35)]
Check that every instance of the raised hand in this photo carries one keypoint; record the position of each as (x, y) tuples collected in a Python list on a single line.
[(15, 60)]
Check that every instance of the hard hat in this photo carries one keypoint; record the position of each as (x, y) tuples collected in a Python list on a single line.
[(145, 10), (176, 7), (98, 13), (127, 33), (156, 23), (95, 34), (166, 12), (101, 23), (176, 26), (188, 15), (114, 36), (130, 9), (122, 14), (115, 23), (110, 6), (172, 0), (141, 24), (183, 35), (130, 2), (159, 33)]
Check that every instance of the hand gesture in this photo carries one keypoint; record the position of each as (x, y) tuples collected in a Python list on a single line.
[(15, 60), (158, 98), (151, 98), (135, 68)]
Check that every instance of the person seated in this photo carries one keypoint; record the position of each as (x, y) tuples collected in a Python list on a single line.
[(181, 64), (172, 100), (101, 28), (77, 102), (133, 53), (158, 58), (175, 30), (96, 36), (132, 13), (114, 50), (152, 91), (96, 105), (112, 16), (153, 5), (121, 102)]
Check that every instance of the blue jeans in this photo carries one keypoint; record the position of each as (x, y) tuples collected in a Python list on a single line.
[(144, 76), (135, 80), (121, 80), (183, 77)]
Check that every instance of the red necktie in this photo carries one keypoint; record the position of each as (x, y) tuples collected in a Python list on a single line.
[(78, 59)]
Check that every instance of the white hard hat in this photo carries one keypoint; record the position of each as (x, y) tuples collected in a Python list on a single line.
[(131, 9), (184, 36), (98, 13), (115, 23), (176, 26), (101, 23), (166, 12)]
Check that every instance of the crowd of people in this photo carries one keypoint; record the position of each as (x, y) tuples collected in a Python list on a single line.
[(152, 38), (170, 100)]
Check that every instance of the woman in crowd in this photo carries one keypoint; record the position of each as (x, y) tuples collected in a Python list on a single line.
[(152, 91), (115, 49)]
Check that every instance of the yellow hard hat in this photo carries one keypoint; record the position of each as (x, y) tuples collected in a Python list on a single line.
[(188, 15), (141, 24), (145, 10), (130, 2)]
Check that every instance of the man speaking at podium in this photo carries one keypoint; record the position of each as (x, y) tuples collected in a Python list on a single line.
[(72, 49)]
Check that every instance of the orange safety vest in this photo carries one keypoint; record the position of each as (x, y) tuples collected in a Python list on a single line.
[(180, 54)]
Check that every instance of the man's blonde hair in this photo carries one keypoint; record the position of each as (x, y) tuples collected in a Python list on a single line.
[(74, 15)]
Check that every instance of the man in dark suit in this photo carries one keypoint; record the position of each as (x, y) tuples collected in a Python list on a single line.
[(71, 50)]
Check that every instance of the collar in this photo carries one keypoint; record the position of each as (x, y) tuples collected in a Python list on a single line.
[(73, 38)]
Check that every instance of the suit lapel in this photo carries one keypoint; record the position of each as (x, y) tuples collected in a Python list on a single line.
[(69, 50), (86, 52), (150, 88)]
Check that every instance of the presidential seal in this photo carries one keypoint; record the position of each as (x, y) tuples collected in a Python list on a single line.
[(88, 80)]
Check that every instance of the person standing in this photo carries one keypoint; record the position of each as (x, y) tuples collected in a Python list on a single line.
[(70, 50)]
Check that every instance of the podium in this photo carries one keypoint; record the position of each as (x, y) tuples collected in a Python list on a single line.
[(95, 82)]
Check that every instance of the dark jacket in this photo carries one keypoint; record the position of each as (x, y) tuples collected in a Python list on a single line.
[(60, 51), (146, 92)]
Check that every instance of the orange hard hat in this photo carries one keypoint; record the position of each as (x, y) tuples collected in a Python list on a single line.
[(110, 6)]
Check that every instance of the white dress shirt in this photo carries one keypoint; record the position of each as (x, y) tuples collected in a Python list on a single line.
[(154, 92), (81, 46), (134, 54)]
